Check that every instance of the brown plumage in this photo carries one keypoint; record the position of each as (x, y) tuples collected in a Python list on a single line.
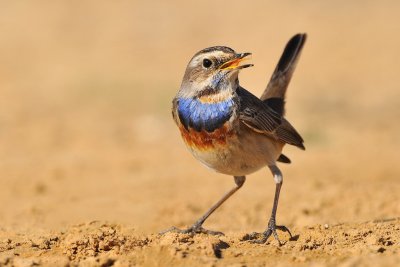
[(229, 129)]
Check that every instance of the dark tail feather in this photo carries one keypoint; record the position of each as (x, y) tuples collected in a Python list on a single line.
[(282, 158), (284, 70)]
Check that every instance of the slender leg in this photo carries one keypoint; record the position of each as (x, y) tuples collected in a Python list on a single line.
[(197, 226), (272, 227)]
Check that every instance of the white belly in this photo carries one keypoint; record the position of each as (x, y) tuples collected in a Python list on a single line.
[(242, 154)]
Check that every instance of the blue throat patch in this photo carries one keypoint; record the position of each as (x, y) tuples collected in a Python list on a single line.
[(208, 116)]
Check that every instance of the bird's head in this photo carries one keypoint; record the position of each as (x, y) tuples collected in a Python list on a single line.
[(213, 69)]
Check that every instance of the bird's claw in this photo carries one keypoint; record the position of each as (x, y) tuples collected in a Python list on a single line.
[(194, 229), (261, 238)]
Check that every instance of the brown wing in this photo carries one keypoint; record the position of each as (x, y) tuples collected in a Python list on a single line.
[(261, 118), (287, 133), (256, 114)]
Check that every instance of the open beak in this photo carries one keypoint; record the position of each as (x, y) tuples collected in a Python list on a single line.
[(234, 64)]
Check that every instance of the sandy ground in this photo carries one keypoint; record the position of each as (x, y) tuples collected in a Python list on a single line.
[(102, 244), (92, 166)]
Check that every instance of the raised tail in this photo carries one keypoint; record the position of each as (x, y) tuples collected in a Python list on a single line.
[(274, 94)]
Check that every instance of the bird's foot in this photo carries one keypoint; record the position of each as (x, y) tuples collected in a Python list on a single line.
[(194, 229), (261, 238)]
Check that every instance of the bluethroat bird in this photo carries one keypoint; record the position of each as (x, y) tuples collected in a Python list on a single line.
[(232, 131)]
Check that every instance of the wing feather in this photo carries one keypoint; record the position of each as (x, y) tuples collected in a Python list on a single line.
[(261, 118)]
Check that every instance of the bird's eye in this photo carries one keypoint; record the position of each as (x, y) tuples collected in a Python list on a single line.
[(207, 63)]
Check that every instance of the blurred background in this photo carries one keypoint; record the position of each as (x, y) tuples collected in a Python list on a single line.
[(85, 123)]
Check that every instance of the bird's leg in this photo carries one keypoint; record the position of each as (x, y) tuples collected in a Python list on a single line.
[(272, 227), (197, 227)]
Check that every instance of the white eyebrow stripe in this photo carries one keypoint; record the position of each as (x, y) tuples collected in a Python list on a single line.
[(213, 54)]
